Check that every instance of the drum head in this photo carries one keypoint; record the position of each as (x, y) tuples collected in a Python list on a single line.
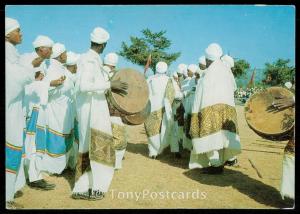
[(139, 118), (138, 92), (264, 119)]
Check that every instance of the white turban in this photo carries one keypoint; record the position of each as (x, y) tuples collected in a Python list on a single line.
[(202, 60), (161, 67), (288, 85), (182, 68), (111, 59), (44, 41), (193, 68), (99, 35), (228, 61), (10, 25), (213, 52), (72, 58), (175, 75), (57, 50)]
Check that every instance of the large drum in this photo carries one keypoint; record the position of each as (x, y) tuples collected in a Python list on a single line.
[(266, 120), (138, 93), (138, 118)]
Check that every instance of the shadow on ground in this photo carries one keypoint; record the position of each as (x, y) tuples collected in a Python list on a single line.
[(253, 188)]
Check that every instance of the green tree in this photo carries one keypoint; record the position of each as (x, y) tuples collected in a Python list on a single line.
[(240, 68), (152, 43), (279, 72)]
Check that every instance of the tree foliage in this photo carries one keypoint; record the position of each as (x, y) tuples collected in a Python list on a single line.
[(279, 72), (152, 43), (240, 68)]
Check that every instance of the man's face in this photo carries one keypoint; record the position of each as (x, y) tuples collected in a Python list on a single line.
[(72, 68), (15, 37), (103, 47), (63, 57), (190, 73), (45, 52), (208, 62), (201, 66)]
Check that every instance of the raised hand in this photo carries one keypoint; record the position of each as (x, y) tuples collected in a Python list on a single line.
[(37, 61)]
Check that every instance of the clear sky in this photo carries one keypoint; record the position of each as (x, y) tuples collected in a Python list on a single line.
[(258, 34)]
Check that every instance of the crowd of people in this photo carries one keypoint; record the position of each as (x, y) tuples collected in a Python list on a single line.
[(58, 114)]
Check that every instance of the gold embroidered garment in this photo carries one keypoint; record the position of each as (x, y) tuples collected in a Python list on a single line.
[(101, 148), (170, 92), (290, 147), (153, 122), (119, 137), (212, 119)]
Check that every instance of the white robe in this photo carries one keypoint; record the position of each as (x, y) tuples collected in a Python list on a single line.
[(60, 115), (157, 87), (92, 112), (214, 88), (16, 77)]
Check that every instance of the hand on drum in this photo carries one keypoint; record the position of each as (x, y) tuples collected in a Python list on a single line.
[(119, 87), (283, 102)]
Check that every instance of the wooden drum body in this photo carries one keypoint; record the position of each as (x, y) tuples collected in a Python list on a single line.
[(267, 121)]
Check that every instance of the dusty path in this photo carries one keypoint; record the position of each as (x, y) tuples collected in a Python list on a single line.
[(238, 187)]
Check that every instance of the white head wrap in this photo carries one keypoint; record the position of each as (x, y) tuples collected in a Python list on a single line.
[(193, 68), (161, 67), (72, 58), (111, 59), (288, 85), (213, 52), (181, 68), (57, 50), (99, 35), (202, 60), (42, 41), (10, 25), (228, 61)]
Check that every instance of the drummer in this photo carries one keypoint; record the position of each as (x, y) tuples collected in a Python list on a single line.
[(96, 157), (118, 127), (287, 188)]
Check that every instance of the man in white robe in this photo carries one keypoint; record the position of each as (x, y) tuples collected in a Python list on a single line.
[(96, 157), (188, 91), (36, 98), (118, 127), (161, 97), (16, 77), (214, 128), (60, 114)]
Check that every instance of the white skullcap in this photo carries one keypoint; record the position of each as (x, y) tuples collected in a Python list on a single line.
[(228, 61), (99, 35), (57, 50), (193, 68), (72, 58), (111, 59), (213, 52), (42, 41), (288, 85), (202, 60), (181, 68), (175, 75), (161, 67), (10, 25)]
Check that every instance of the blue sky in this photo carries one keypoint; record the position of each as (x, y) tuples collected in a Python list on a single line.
[(257, 34)]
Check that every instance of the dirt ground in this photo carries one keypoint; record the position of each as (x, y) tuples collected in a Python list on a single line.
[(168, 183)]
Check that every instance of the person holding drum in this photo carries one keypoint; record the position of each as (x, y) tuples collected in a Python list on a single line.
[(287, 187), (96, 157), (118, 127), (214, 128), (161, 97)]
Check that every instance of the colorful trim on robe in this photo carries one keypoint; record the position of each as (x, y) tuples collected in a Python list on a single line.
[(58, 144), (212, 119), (153, 122), (13, 155), (119, 136), (40, 139), (31, 123)]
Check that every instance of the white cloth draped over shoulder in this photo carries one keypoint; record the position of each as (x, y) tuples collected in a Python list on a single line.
[(214, 123), (16, 77), (93, 114)]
